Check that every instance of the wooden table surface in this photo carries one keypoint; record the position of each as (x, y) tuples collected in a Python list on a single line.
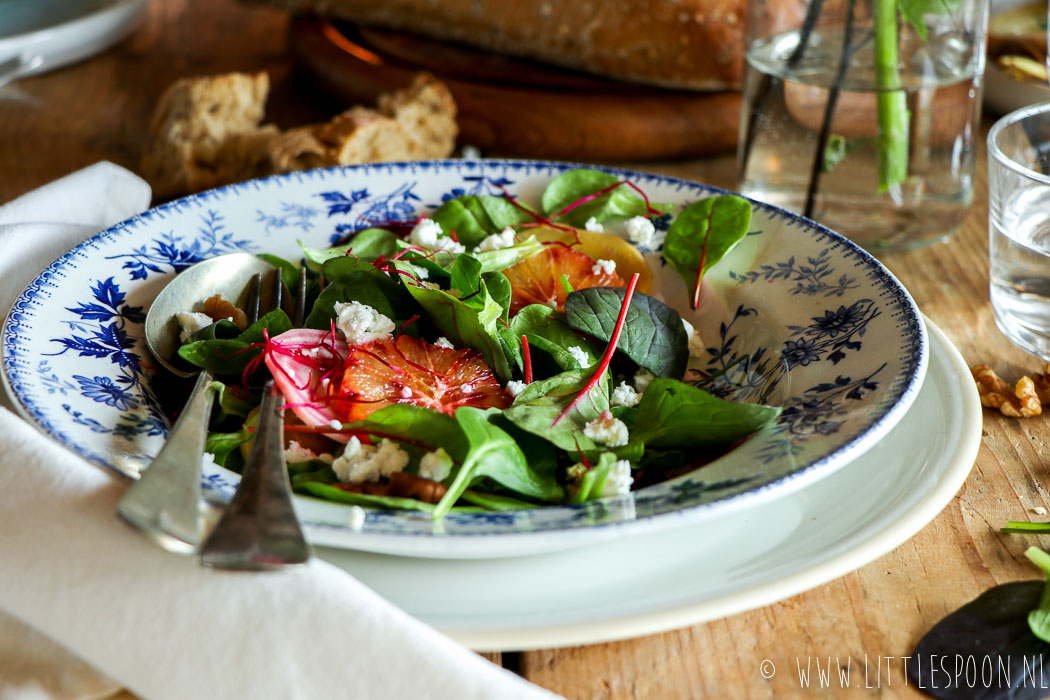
[(56, 123)]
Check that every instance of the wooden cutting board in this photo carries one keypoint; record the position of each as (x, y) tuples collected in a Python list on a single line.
[(510, 106)]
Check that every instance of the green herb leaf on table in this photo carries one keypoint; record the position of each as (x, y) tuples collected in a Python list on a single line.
[(675, 414), (703, 234), (653, 335), (1039, 618), (994, 626)]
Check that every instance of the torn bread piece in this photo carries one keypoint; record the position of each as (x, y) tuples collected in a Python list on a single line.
[(207, 132)]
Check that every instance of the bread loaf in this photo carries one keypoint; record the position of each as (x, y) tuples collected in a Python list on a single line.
[(694, 44), (206, 132)]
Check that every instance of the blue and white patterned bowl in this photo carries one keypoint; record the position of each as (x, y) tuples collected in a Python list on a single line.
[(824, 329)]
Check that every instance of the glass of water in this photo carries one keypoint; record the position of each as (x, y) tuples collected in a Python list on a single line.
[(1019, 226), (864, 114)]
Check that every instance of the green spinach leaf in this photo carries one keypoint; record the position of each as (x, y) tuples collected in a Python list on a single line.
[(493, 453), (423, 426), (220, 445), (536, 409), (548, 331), (230, 356), (653, 335), (675, 414), (502, 258), (471, 323), (357, 287), (368, 245), (705, 232), (574, 185)]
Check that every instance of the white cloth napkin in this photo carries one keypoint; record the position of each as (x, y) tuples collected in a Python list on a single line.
[(154, 622)]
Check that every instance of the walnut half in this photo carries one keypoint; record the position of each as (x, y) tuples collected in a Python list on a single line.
[(1024, 400)]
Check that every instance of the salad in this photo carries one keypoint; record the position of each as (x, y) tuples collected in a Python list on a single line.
[(492, 355)]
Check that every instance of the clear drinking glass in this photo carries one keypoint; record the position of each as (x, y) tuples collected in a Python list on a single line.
[(1019, 227), (864, 114)]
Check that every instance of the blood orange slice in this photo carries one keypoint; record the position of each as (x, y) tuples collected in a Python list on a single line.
[(413, 371), (537, 280), (600, 246)]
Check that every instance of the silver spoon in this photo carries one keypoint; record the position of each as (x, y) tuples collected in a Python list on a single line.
[(165, 502), (227, 275)]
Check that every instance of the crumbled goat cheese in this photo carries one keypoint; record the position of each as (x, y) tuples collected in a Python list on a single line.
[(579, 355), (619, 480), (421, 272), (594, 226), (640, 230), (436, 465), (427, 234), (515, 387), (405, 393), (360, 463), (625, 395), (607, 430), (606, 266), (191, 322), (297, 453), (335, 424), (355, 519), (503, 239), (696, 343), (642, 380), (207, 461), (361, 323), (444, 342)]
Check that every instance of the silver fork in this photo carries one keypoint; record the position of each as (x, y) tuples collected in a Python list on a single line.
[(259, 530), (165, 502)]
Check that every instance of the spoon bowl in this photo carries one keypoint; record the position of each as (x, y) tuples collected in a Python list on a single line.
[(227, 275)]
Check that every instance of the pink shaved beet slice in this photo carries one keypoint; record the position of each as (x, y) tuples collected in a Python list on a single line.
[(298, 360)]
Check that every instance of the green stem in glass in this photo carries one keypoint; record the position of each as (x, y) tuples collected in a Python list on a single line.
[(892, 141)]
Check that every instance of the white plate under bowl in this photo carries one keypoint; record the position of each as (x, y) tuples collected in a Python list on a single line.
[(759, 555), (824, 329), (64, 31)]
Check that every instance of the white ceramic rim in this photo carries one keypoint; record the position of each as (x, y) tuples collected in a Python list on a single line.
[(899, 531), (77, 38)]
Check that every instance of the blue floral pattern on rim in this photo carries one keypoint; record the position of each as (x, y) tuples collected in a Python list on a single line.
[(844, 370)]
